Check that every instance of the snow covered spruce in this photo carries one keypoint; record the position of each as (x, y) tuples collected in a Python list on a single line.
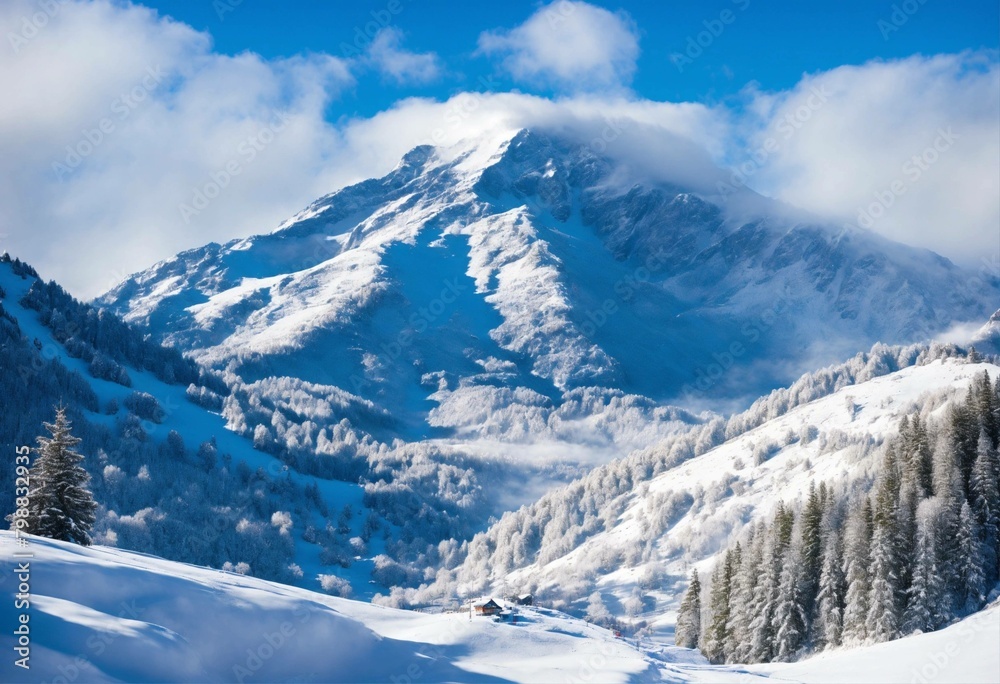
[(59, 504), (913, 553)]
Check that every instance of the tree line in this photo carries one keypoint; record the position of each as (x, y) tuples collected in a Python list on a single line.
[(912, 552)]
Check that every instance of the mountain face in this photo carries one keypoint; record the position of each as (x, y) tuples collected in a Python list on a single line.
[(512, 272)]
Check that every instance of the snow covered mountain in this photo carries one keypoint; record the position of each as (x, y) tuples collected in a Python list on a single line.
[(632, 530), (104, 615), (987, 338), (476, 289)]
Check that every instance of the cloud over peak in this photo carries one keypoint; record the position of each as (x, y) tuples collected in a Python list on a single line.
[(569, 46)]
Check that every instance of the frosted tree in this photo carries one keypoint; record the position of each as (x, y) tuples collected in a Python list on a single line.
[(882, 621), (948, 492), (688, 630), (789, 612), (741, 615), (988, 406), (970, 554), (963, 433), (60, 504), (597, 612), (812, 548), (856, 568), (830, 600), (924, 594), (714, 642), (985, 499), (765, 599)]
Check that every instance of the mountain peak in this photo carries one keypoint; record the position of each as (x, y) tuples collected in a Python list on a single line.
[(534, 252)]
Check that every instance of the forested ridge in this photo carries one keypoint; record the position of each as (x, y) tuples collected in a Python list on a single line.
[(916, 550)]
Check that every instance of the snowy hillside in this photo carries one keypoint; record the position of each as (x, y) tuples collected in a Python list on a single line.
[(632, 530), (103, 615), (176, 473), (554, 269), (169, 475), (987, 338), (107, 615)]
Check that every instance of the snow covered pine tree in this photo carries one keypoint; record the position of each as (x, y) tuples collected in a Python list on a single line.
[(688, 629), (60, 505)]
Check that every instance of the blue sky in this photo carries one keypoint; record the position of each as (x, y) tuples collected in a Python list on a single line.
[(772, 43), (117, 116)]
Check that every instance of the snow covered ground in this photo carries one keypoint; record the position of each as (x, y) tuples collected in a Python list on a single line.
[(100, 614), (968, 651)]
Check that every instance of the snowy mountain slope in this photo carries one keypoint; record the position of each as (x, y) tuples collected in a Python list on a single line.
[(134, 501), (526, 264), (206, 480), (987, 338), (674, 513), (108, 615), (104, 615)]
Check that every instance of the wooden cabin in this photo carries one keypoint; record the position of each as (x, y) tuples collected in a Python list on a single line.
[(489, 608)]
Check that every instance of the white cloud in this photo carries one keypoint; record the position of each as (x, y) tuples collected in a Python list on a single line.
[(87, 205), (909, 148), (569, 45), (118, 209), (402, 66)]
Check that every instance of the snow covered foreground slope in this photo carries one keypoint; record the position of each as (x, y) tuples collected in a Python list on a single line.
[(101, 614)]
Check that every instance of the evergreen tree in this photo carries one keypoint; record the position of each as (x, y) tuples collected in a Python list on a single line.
[(983, 487), (811, 550), (761, 644), (741, 615), (714, 646), (971, 557), (924, 595), (830, 601), (988, 407), (60, 505), (789, 612), (883, 617), (948, 492), (882, 623), (858, 547), (916, 454), (688, 629), (963, 433)]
